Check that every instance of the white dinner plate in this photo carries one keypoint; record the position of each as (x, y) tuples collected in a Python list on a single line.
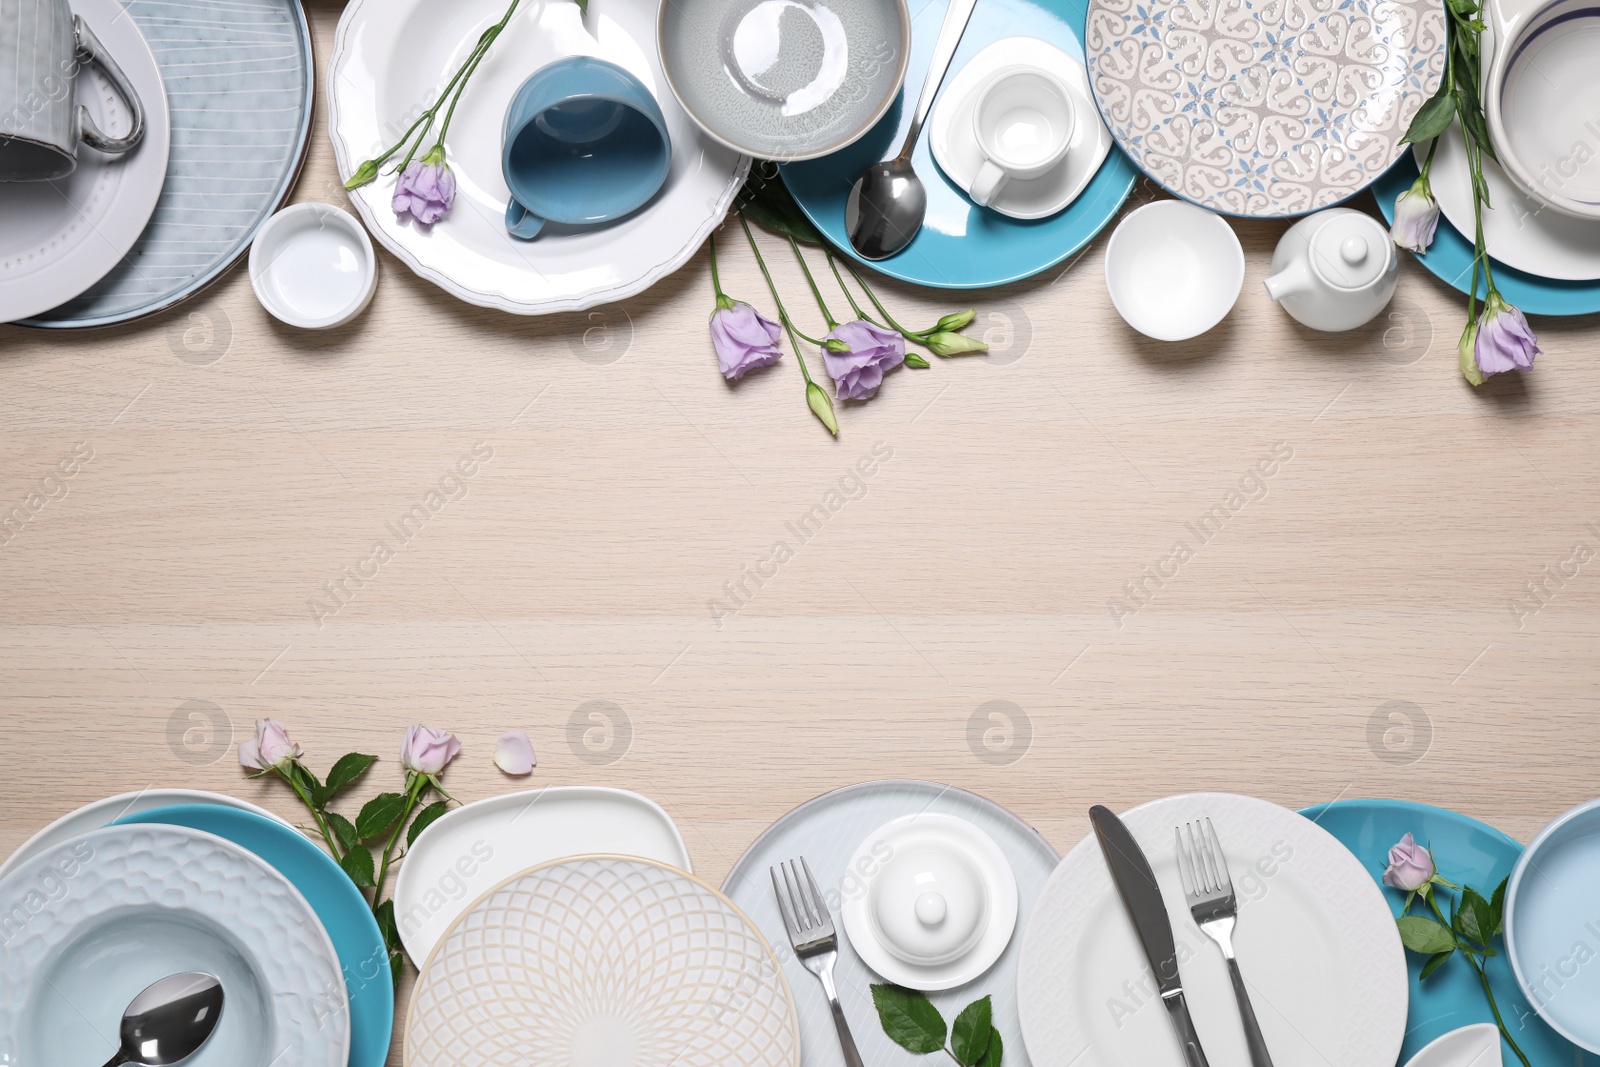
[(1518, 230), (474, 848), (602, 961), (389, 58), (91, 922), (61, 237), (956, 148), (1315, 938), (100, 813)]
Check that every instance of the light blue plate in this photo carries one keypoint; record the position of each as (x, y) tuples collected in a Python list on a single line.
[(331, 894), (1468, 853), (1450, 259), (963, 246), (240, 83), (1553, 923)]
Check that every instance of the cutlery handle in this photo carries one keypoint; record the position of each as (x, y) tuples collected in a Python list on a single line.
[(847, 1041), (1184, 1025), (944, 50), (1252, 1031)]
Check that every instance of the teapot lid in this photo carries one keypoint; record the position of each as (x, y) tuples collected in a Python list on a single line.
[(1349, 250)]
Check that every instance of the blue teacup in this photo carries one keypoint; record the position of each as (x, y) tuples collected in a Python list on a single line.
[(585, 142)]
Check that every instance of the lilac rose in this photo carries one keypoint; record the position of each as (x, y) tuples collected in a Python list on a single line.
[(745, 339), (1410, 866), (427, 750), (868, 351), (427, 188)]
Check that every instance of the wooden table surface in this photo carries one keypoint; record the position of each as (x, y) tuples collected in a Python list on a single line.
[(999, 604)]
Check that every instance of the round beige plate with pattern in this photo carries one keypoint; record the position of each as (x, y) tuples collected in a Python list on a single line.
[(602, 961)]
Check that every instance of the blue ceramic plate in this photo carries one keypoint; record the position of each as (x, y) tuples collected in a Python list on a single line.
[(962, 246), (1450, 259), (1468, 853), (331, 894)]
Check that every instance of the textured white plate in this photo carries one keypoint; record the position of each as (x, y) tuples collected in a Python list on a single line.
[(61, 237), (389, 58), (1315, 939), (602, 961), (92, 921), (100, 813), (474, 848), (826, 831), (1471, 1046)]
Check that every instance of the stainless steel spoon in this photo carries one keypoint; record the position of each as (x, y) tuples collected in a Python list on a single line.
[(887, 202), (170, 1020)]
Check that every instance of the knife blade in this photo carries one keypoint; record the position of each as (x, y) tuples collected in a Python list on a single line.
[(1141, 896)]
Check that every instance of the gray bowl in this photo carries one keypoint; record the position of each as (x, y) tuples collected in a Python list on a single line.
[(785, 79)]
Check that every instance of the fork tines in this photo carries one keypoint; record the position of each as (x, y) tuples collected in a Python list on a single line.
[(805, 913), (1202, 864)]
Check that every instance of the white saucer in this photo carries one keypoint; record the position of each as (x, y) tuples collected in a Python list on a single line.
[(942, 844), (474, 848), (1518, 230), (1477, 1045), (957, 152)]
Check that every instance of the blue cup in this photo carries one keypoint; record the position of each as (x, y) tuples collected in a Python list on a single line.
[(585, 142)]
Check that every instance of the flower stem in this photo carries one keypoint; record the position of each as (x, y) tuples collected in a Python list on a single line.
[(893, 325), (834, 266), (415, 788), (316, 813), (783, 316), (452, 91), (826, 314), (1483, 976), (716, 282)]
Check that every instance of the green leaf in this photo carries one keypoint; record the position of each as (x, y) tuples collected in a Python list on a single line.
[(969, 1034), (1435, 962), (379, 814), (424, 819), (397, 967), (1433, 119), (384, 913), (357, 863), (1474, 918), (583, 6), (344, 774), (1464, 7), (909, 1019), (767, 200), (1497, 905), (996, 1050), (304, 778), (1422, 934), (344, 830)]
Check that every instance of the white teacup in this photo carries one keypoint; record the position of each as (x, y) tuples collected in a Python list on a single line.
[(1023, 122)]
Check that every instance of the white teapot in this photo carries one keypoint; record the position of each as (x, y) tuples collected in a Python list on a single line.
[(1334, 270)]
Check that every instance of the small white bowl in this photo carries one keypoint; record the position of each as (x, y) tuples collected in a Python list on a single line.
[(1174, 270), (312, 266)]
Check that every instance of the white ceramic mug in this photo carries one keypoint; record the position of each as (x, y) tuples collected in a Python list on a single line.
[(1023, 122)]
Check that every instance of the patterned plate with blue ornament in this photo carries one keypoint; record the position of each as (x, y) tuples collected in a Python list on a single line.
[(1264, 108)]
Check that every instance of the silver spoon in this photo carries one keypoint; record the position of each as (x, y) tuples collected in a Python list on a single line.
[(887, 202), (170, 1020)]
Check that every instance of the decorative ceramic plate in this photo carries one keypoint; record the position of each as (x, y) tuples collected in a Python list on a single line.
[(61, 237), (1469, 853), (339, 905), (100, 813), (602, 961), (93, 921), (1450, 258), (472, 849), (827, 831), (1316, 943), (390, 57), (239, 81), (961, 245), (1264, 108)]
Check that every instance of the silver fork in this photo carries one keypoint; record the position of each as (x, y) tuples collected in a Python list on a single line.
[(811, 932), (1209, 887)]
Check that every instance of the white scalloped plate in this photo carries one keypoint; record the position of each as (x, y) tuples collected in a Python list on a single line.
[(389, 58), (602, 961), (1315, 938), (87, 924)]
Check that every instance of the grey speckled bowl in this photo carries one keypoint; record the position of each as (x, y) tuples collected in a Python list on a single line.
[(785, 79)]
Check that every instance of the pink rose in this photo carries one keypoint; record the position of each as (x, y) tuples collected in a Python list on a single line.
[(427, 750), (513, 753), (1410, 866), (270, 748)]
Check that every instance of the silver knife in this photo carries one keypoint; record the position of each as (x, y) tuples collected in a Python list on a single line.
[(1136, 884)]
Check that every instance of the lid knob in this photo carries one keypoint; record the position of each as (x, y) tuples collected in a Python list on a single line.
[(931, 909), (1354, 249)]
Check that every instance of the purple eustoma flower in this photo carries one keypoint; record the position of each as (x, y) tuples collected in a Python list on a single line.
[(745, 340), (427, 189), (869, 352), (1416, 217), (1505, 341)]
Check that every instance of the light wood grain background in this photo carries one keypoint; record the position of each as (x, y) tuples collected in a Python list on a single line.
[(238, 465)]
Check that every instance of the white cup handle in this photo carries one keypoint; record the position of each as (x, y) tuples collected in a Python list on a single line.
[(987, 185)]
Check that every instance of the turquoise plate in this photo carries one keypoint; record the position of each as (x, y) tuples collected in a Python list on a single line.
[(331, 894), (1449, 258), (1468, 853), (962, 246)]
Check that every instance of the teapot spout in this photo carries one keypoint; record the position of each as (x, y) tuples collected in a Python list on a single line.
[(1295, 278)]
